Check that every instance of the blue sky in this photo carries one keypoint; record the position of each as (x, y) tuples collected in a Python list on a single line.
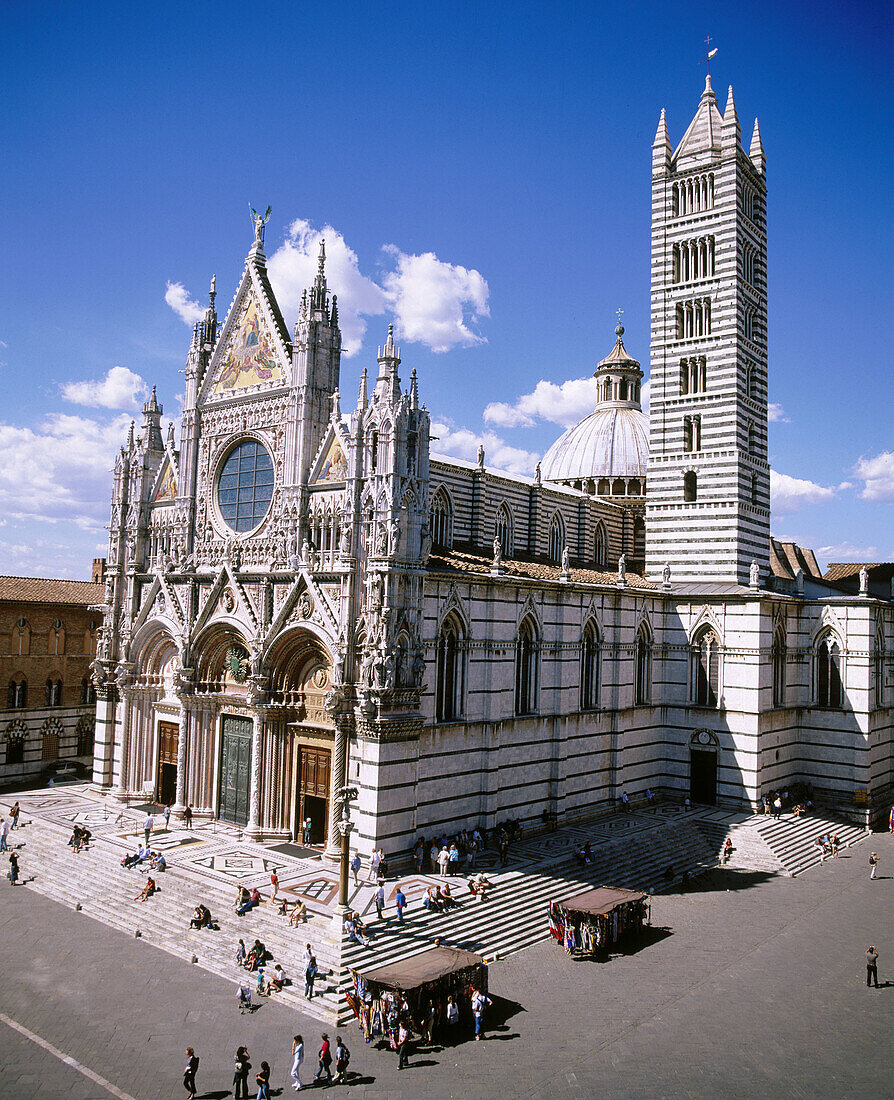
[(482, 175)]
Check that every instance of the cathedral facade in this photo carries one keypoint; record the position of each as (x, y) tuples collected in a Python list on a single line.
[(300, 596)]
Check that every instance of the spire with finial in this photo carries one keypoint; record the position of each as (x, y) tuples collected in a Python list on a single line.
[(361, 393), (212, 293), (730, 130), (756, 152), (389, 360), (319, 303), (321, 259), (661, 146), (333, 316), (618, 375), (171, 433), (414, 390), (130, 436)]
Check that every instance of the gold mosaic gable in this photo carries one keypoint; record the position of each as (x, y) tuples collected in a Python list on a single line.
[(250, 358), (335, 465)]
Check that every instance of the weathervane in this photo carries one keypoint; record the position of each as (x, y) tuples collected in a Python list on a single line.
[(706, 60)]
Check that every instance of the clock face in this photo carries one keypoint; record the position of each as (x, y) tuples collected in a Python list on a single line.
[(704, 737)]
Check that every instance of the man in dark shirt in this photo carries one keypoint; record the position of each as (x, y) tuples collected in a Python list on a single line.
[(871, 966)]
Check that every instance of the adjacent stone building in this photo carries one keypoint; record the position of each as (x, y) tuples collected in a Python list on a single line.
[(48, 634), (300, 596)]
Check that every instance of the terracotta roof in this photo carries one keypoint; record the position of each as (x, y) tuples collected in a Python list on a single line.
[(457, 561), (786, 558), (49, 590), (842, 570)]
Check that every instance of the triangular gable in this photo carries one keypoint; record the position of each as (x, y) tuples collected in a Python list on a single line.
[(331, 463), (703, 134), (251, 352), (227, 599), (165, 489)]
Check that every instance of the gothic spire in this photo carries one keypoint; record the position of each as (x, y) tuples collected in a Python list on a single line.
[(756, 152), (730, 129), (361, 395), (414, 390), (389, 360)]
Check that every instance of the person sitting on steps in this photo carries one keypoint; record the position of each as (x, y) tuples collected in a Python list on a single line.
[(202, 918), (148, 890)]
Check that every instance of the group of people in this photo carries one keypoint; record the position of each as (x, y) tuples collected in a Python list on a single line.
[(798, 798), (80, 838), (155, 860), (242, 1068), (827, 844), (449, 855)]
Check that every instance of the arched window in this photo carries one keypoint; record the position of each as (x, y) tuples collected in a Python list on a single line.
[(589, 668), (373, 451), (690, 485), (56, 639), (705, 662), (503, 530), (84, 731), (600, 553), (527, 667), (642, 672), (829, 691), (878, 670), (18, 694), (556, 538), (54, 693), (451, 670), (440, 521), (49, 745), (21, 638), (779, 658), (88, 691), (15, 745)]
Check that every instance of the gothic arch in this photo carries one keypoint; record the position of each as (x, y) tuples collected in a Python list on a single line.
[(705, 618), (455, 605), (530, 609)]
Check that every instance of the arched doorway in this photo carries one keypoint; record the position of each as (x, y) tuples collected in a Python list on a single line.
[(300, 680), (703, 746)]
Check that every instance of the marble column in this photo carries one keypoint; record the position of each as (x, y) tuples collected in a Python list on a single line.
[(182, 734), (337, 780), (127, 708), (253, 828)]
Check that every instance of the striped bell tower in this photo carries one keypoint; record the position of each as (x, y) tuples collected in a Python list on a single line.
[(708, 485)]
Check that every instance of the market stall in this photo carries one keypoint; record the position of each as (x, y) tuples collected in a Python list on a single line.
[(594, 922), (382, 996)]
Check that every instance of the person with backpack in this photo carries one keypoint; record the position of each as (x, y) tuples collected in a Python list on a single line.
[(240, 1074), (325, 1061), (342, 1057)]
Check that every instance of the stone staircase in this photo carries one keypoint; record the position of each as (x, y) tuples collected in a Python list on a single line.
[(782, 847), (514, 917), (95, 881)]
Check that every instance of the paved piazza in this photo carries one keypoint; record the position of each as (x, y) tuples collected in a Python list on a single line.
[(756, 989)]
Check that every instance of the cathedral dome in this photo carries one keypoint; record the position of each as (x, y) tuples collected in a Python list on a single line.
[(613, 441), (607, 443)]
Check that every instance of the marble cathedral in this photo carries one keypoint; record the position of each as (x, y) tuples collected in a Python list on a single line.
[(299, 596)]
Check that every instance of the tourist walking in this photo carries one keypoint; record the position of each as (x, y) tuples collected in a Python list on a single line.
[(274, 885), (400, 902), (147, 828), (14, 816), (325, 1060), (297, 1059), (167, 816), (4, 833), (187, 817), (443, 861), (310, 976), (374, 860), (380, 902), (873, 864), (13, 868), (480, 1001), (263, 1079), (452, 1015), (308, 829), (342, 1057), (356, 864), (871, 966), (189, 1073), (240, 1074)]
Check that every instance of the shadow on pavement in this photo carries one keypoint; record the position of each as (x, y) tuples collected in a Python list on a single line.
[(720, 878)]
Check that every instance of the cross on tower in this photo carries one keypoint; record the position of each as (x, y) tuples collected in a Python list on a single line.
[(619, 312), (709, 53)]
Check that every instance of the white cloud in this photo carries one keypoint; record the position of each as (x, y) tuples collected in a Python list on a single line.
[(120, 389), (565, 403), (877, 475), (434, 302), (846, 551), (789, 494), (293, 268), (777, 412), (60, 471), (463, 443), (186, 308)]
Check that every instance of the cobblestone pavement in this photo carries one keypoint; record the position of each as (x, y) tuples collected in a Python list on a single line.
[(758, 985)]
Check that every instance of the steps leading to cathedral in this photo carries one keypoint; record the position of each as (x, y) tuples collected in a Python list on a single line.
[(105, 891)]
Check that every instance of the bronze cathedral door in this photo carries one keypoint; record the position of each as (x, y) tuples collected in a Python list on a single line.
[(166, 772), (313, 792)]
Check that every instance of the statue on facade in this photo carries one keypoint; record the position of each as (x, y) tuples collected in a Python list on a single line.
[(666, 573), (566, 560), (537, 474), (344, 543), (498, 552), (394, 533), (754, 575), (864, 580), (381, 546), (622, 569), (480, 456), (259, 221)]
